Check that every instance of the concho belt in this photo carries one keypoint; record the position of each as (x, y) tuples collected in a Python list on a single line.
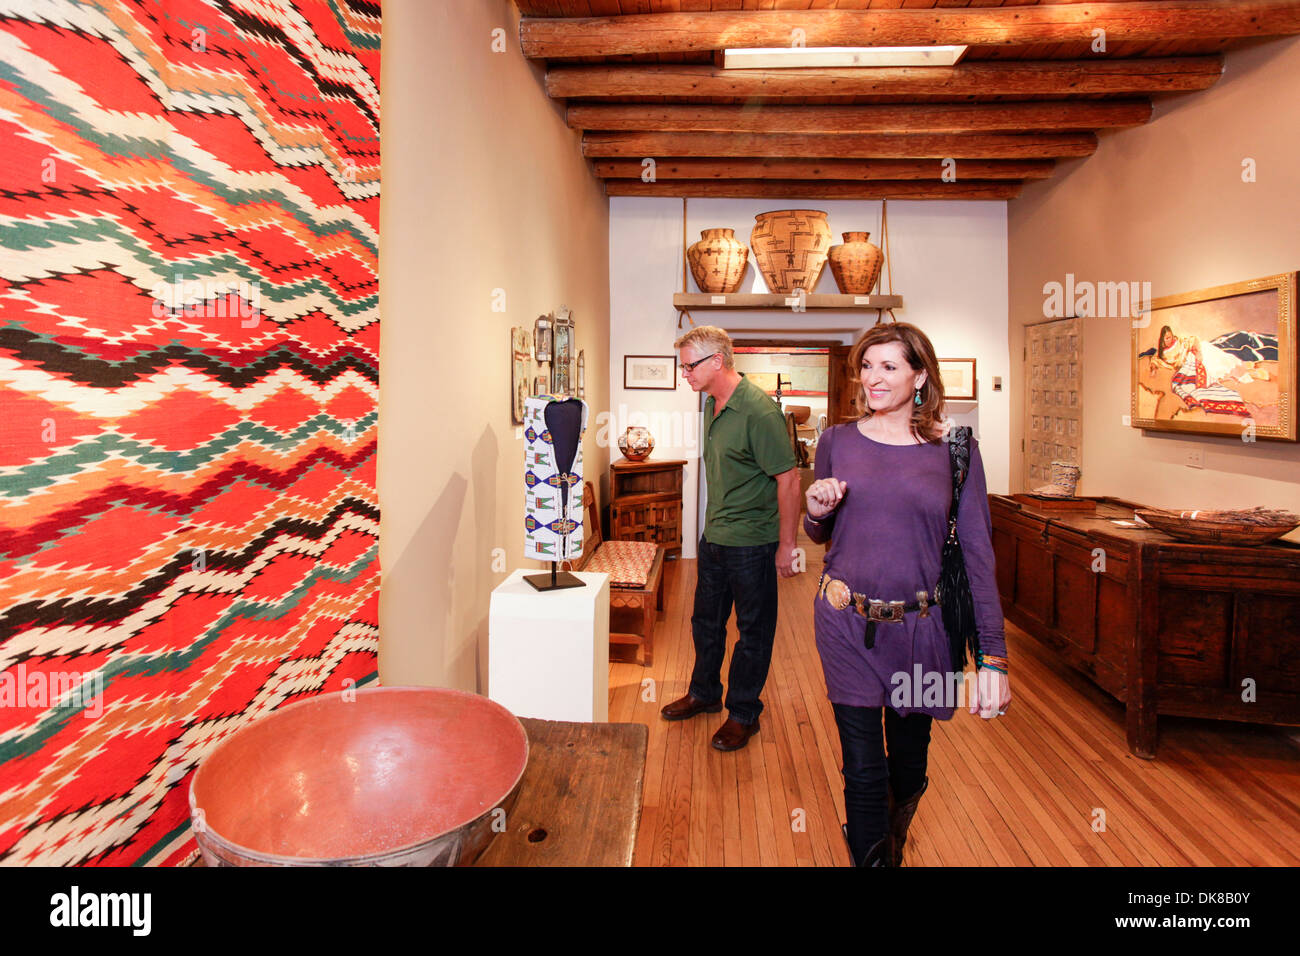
[(839, 596)]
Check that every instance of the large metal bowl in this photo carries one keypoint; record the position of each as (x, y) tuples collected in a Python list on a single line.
[(388, 776)]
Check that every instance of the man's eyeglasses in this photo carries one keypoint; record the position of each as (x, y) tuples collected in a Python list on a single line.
[(691, 366)]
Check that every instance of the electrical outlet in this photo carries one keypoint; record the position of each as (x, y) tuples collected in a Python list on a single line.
[(1126, 421), (1196, 458), (519, 432)]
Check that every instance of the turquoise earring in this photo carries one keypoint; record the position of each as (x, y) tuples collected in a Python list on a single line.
[(918, 397)]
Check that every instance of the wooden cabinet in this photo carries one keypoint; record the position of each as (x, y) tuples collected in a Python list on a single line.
[(1169, 628), (645, 502)]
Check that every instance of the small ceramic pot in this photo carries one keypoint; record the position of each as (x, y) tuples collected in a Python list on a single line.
[(636, 443)]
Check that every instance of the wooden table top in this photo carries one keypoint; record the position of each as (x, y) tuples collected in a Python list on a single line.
[(580, 799)]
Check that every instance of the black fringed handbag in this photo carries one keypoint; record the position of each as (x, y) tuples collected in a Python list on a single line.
[(953, 590)]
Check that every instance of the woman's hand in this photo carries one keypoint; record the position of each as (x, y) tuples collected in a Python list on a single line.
[(994, 694), (824, 496)]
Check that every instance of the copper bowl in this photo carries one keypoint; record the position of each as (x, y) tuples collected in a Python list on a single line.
[(386, 776)]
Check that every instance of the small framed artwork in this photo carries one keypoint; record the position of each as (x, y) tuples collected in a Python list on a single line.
[(958, 376), (521, 360), (542, 339), (539, 385), (562, 365), (1219, 361), (650, 371), (582, 374)]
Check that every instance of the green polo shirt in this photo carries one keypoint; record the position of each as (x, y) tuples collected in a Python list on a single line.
[(745, 446)]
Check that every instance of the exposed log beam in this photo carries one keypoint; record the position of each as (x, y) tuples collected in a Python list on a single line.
[(1142, 22), (843, 169), (839, 146), (980, 78), (803, 189), (888, 118)]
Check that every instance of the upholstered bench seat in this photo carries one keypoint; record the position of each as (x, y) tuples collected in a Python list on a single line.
[(627, 563), (636, 580)]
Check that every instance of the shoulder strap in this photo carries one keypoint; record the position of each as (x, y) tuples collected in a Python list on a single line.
[(959, 457)]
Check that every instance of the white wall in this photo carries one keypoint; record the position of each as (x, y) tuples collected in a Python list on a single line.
[(949, 264), (1165, 203), (485, 188)]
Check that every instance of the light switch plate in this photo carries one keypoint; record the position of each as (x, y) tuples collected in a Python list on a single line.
[(1196, 458), (1126, 420)]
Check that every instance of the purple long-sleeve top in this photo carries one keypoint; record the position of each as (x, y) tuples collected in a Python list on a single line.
[(886, 542)]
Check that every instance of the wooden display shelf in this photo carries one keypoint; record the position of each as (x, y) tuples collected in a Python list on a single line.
[(813, 302)]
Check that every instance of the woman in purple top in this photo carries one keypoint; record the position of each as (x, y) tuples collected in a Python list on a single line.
[(881, 496)]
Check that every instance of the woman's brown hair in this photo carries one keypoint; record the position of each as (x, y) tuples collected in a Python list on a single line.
[(927, 418)]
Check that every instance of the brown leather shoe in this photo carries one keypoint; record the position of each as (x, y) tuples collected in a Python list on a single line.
[(733, 734), (688, 706)]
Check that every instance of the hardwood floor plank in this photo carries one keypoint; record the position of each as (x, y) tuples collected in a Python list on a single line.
[(1018, 791)]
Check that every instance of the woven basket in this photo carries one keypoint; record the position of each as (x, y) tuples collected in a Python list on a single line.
[(790, 247), (1201, 531)]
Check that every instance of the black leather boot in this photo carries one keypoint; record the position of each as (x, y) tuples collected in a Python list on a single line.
[(878, 855), (900, 818)]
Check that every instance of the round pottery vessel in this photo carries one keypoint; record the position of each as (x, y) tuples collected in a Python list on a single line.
[(856, 264), (636, 443), (790, 247), (718, 261), (386, 776)]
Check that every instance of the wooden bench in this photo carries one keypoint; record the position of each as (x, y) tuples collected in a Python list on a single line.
[(636, 584)]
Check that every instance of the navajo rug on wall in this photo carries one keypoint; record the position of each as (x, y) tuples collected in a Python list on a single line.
[(189, 335)]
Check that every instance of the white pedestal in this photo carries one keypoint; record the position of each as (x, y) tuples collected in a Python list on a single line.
[(548, 651)]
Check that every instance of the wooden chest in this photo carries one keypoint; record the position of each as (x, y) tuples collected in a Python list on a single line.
[(1168, 628)]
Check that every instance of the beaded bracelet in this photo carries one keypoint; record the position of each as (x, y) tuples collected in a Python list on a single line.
[(998, 664)]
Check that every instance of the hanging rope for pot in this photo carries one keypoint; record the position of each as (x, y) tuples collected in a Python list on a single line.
[(889, 259), (682, 312)]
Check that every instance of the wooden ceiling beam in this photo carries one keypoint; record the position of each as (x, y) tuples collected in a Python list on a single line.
[(976, 78), (887, 118), (637, 145), (803, 189), (842, 169), (1139, 22)]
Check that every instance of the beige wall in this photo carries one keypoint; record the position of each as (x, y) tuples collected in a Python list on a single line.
[(1166, 203), (484, 188)]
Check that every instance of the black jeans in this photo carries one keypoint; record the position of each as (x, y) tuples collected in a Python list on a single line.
[(868, 772), (746, 577)]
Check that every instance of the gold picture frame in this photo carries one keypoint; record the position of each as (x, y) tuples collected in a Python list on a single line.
[(1218, 361)]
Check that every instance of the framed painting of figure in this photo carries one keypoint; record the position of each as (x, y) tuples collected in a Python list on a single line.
[(521, 354), (1219, 361)]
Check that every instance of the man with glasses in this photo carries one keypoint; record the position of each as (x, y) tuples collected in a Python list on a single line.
[(749, 535)]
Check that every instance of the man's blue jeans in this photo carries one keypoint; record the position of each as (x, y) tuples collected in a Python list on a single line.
[(746, 577)]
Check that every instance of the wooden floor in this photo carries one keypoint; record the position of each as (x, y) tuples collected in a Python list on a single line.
[(1028, 789)]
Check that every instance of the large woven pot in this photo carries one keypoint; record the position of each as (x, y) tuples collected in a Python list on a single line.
[(790, 248), (856, 264), (718, 261)]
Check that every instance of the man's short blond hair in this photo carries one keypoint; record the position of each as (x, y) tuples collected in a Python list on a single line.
[(706, 339)]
